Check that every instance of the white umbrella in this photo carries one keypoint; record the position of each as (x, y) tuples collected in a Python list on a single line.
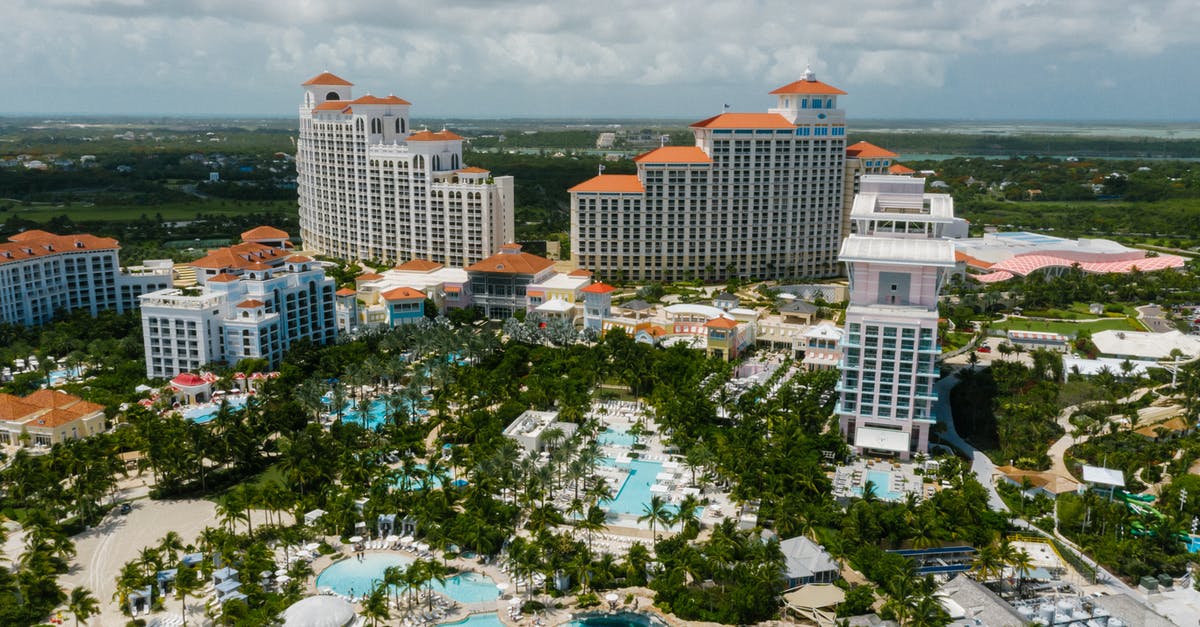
[(312, 546), (502, 586), (281, 572), (407, 540), (421, 546), (610, 597), (356, 538), (514, 601), (391, 539), (283, 579)]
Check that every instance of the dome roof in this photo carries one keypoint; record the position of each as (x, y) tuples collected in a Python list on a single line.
[(319, 611)]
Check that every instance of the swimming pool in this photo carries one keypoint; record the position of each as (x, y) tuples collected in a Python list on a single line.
[(353, 578), (478, 620), (615, 437), (207, 412), (635, 493), (620, 619), (377, 413), (1192, 543), (883, 486)]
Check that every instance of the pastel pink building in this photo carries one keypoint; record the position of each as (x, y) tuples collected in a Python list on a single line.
[(897, 262)]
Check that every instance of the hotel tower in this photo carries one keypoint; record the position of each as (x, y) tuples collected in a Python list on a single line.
[(757, 195), (372, 187)]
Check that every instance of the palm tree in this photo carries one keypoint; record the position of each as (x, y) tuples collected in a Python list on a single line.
[(688, 514), (170, 545), (187, 581), (1022, 563), (82, 604), (656, 513), (375, 606)]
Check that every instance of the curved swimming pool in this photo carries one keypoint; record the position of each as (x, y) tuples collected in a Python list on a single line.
[(354, 578)]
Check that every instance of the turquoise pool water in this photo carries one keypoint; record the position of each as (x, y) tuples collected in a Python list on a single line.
[(208, 412), (354, 578), (614, 437), (635, 492), (883, 481), (1193, 544), (377, 414), (620, 619), (479, 620)]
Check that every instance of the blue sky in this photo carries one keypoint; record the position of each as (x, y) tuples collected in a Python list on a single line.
[(936, 59)]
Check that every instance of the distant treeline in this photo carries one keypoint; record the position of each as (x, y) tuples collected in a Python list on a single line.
[(1003, 145)]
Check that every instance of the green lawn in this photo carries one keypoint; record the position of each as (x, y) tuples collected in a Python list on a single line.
[(82, 212), (1066, 327)]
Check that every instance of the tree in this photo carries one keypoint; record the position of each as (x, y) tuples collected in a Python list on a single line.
[(82, 604), (656, 513), (187, 581), (375, 606)]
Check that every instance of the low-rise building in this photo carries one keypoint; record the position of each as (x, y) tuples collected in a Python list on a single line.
[(47, 417), (500, 283), (531, 429), (253, 301), (807, 562)]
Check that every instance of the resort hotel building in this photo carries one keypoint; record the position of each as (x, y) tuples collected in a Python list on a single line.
[(897, 261), (372, 187), (43, 274), (253, 299), (758, 195)]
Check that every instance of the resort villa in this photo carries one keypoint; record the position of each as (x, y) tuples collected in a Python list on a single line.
[(47, 417)]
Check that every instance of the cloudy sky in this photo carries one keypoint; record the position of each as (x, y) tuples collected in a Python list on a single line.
[(939, 59)]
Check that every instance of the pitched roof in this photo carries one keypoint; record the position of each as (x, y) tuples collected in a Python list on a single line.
[(721, 322), (326, 78), (264, 232), (511, 263), (333, 105), (224, 277), (376, 100), (804, 86), (299, 259), (240, 256), (250, 303), (419, 265), (36, 243), (598, 288), (345, 291), (434, 136), (402, 293), (868, 150), (579, 272), (57, 399), (188, 379), (674, 154), (745, 120), (368, 276), (896, 168), (472, 170), (15, 408), (618, 183)]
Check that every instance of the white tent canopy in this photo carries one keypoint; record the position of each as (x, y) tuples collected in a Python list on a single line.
[(319, 611), (881, 439)]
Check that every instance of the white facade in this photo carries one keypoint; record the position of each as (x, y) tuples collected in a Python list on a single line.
[(758, 195), (42, 274), (372, 188), (897, 263), (254, 311)]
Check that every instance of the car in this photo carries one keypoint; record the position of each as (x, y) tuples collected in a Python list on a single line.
[(985, 349), (125, 508)]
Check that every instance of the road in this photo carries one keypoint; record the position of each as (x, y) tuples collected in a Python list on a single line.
[(1155, 319), (983, 467)]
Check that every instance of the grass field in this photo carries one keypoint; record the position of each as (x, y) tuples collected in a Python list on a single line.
[(175, 211), (1066, 327)]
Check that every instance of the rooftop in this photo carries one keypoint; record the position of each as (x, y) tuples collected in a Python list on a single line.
[(674, 154), (867, 150), (327, 78), (512, 261), (612, 183), (744, 120), (924, 252)]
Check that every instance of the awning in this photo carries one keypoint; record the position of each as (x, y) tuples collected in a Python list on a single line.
[(881, 439), (815, 595), (555, 305)]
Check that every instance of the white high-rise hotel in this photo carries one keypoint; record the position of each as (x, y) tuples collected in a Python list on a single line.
[(758, 195), (897, 262), (372, 188)]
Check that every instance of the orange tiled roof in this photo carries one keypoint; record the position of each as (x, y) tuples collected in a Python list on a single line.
[(619, 183), (333, 105), (674, 154), (419, 265), (345, 291), (240, 256), (376, 100), (511, 263), (53, 419), (15, 408), (598, 288), (896, 168), (368, 276), (250, 304), (971, 261), (745, 120), (721, 322), (299, 259), (264, 232), (434, 136), (402, 293), (808, 87), (325, 78), (57, 399), (473, 170), (224, 277), (35, 243), (580, 272), (868, 150)]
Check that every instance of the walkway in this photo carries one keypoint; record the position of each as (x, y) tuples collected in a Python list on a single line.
[(983, 467)]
